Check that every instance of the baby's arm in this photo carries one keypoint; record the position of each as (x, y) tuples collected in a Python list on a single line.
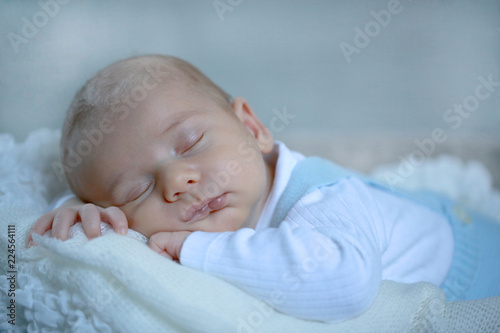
[(296, 270), (74, 210)]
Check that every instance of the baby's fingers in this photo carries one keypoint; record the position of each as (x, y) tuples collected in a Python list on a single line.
[(158, 243), (91, 220), (63, 220), (41, 226), (116, 217)]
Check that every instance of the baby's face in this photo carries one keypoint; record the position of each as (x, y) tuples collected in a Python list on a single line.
[(182, 163)]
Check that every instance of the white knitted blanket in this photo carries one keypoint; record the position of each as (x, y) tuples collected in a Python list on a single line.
[(116, 284)]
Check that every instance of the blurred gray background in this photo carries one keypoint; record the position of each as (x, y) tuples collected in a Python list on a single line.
[(358, 82)]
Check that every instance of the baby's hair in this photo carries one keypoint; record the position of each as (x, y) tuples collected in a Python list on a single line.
[(117, 89)]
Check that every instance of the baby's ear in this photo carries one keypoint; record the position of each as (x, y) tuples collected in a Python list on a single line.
[(260, 132)]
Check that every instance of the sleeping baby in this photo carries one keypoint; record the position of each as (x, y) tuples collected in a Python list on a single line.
[(151, 144)]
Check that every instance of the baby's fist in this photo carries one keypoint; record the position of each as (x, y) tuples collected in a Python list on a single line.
[(168, 244)]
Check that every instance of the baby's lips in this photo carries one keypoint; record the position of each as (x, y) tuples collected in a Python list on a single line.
[(218, 202)]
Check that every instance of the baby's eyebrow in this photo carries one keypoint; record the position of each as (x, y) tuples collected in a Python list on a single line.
[(179, 119)]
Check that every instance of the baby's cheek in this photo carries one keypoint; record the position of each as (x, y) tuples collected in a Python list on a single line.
[(142, 221), (154, 216), (229, 219)]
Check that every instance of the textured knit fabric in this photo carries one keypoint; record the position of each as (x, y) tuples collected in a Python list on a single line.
[(475, 270)]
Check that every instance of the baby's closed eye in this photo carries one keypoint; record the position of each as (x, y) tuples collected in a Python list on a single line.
[(137, 192), (191, 141)]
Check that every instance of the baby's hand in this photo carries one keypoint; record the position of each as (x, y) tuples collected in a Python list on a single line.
[(168, 244), (62, 218)]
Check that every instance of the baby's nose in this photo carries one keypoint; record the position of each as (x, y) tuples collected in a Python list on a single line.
[(179, 178)]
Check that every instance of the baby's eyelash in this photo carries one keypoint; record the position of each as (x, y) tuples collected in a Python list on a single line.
[(195, 143), (139, 192)]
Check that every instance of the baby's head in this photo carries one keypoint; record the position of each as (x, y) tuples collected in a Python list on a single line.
[(155, 137)]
